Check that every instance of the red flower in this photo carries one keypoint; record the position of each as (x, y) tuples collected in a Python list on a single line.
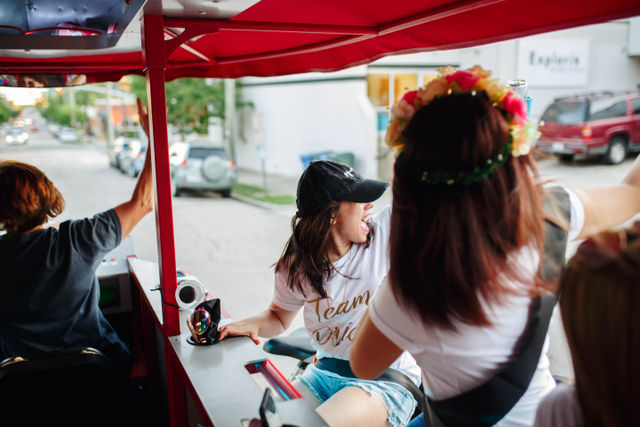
[(410, 97), (464, 79), (515, 106)]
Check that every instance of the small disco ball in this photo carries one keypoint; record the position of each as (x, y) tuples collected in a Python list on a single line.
[(201, 321)]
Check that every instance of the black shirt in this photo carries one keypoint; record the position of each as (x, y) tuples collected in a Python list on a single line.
[(49, 291)]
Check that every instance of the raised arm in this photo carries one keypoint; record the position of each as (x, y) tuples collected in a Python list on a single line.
[(608, 206), (271, 322), (141, 202)]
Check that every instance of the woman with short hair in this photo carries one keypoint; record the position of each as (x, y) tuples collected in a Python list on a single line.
[(599, 304), (49, 293)]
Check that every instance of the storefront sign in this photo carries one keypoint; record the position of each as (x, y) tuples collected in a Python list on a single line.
[(553, 63)]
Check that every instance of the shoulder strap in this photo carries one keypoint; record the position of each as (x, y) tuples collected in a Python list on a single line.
[(488, 403)]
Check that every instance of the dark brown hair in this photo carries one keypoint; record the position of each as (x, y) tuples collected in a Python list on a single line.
[(306, 253), (600, 307), (27, 197), (449, 243)]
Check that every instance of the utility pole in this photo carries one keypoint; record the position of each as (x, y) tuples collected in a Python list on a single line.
[(230, 126), (109, 121), (72, 106)]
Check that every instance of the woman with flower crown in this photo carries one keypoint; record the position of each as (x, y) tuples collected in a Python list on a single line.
[(467, 242)]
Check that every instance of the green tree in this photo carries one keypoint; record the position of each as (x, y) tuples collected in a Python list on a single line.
[(7, 110), (55, 108), (191, 101)]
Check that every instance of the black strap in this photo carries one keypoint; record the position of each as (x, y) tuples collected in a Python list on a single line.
[(488, 403), (342, 368)]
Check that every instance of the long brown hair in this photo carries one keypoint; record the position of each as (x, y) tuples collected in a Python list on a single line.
[(27, 197), (306, 253), (449, 243), (600, 307)]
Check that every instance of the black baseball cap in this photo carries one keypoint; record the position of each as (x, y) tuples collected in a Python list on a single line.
[(325, 181)]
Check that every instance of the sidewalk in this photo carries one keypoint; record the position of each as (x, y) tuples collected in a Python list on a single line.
[(277, 185), (285, 185)]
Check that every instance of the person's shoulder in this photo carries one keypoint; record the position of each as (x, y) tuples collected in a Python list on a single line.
[(381, 220), (559, 408), (382, 215)]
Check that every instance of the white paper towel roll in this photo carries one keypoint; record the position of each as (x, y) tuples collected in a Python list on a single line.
[(189, 293)]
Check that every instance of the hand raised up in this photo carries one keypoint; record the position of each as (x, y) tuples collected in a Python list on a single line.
[(144, 117)]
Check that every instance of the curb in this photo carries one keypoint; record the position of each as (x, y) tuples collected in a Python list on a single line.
[(283, 209)]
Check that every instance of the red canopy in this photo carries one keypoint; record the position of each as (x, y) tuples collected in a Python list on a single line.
[(275, 37)]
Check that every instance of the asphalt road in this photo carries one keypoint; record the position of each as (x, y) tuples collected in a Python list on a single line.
[(228, 244)]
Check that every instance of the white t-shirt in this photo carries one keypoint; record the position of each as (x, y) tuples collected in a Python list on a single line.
[(453, 362), (331, 322), (560, 408)]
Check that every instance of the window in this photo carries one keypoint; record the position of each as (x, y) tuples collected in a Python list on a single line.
[(427, 78), (619, 109), (566, 112), (635, 103), (202, 153), (388, 86), (402, 83), (378, 89)]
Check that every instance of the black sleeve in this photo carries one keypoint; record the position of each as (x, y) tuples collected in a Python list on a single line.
[(93, 237)]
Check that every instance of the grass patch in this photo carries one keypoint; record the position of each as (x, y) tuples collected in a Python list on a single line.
[(256, 193)]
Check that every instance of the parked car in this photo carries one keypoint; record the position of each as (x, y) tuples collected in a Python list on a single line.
[(16, 136), (598, 124), (120, 145), (68, 135), (201, 165), (132, 158), (54, 128)]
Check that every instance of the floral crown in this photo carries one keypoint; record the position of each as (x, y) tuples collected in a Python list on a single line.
[(523, 134)]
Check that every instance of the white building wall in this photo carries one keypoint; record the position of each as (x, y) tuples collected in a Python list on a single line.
[(314, 115), (610, 65), (291, 119)]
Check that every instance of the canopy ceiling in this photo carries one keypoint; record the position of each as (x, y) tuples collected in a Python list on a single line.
[(235, 38)]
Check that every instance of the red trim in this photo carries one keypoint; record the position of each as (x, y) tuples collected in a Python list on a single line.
[(281, 380), (152, 37), (204, 26), (278, 381), (275, 377)]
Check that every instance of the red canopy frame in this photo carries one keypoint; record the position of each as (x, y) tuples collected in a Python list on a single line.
[(294, 37)]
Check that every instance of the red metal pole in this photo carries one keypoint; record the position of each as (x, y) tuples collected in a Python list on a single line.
[(153, 51)]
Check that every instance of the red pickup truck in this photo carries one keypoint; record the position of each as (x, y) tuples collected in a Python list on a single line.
[(598, 124)]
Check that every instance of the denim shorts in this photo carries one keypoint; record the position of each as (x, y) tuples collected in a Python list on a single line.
[(398, 400)]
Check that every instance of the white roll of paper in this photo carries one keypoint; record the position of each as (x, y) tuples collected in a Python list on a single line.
[(189, 293)]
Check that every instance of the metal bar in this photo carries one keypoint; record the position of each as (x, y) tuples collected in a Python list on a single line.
[(342, 41), (152, 43), (435, 15), (184, 45), (212, 25)]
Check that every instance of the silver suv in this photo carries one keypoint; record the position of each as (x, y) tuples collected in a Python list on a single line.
[(201, 165)]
